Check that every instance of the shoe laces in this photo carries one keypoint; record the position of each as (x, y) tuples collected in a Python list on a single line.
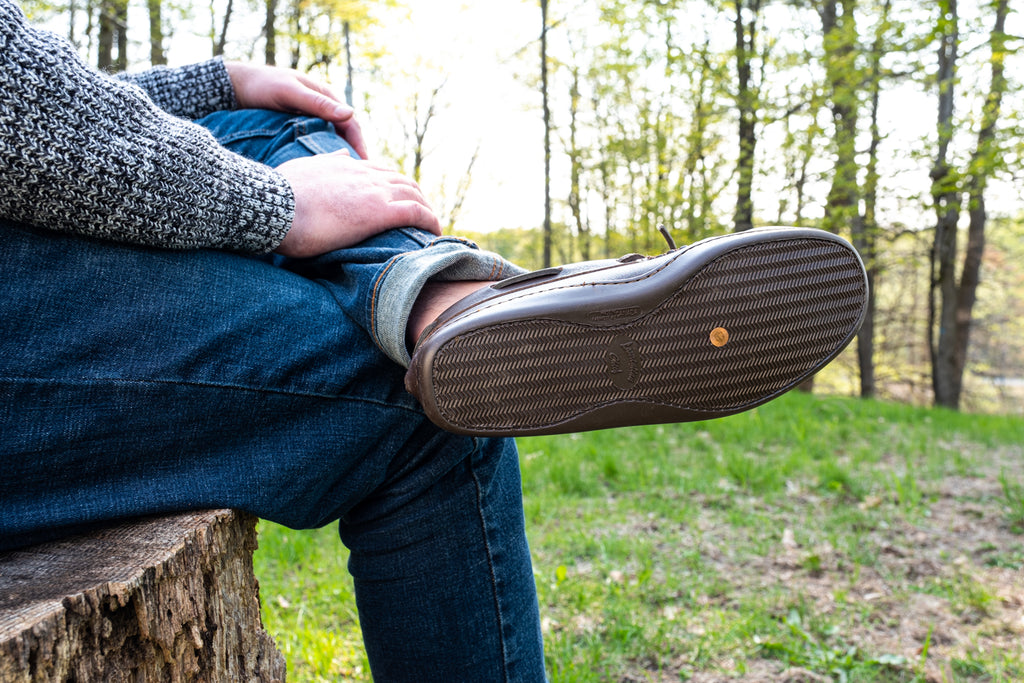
[(668, 236), (631, 258)]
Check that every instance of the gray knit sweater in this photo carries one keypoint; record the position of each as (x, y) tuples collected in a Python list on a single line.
[(117, 158)]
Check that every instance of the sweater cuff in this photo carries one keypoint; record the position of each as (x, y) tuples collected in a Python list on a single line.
[(265, 207)]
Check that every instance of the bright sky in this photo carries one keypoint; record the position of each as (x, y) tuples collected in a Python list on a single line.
[(475, 46)]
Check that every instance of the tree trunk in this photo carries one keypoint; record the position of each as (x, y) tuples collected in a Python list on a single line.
[(157, 55), (296, 21), (546, 256), (957, 311), (113, 25), (160, 599), (349, 80), (746, 103), (945, 193), (840, 38), (221, 42), (121, 22), (105, 36), (865, 234), (461, 192), (839, 34), (696, 200), (270, 33), (420, 129), (72, 17), (576, 168)]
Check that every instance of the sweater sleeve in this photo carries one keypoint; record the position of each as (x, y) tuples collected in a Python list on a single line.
[(189, 92), (92, 155)]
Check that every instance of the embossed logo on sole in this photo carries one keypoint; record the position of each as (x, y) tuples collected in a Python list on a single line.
[(622, 362), (615, 315)]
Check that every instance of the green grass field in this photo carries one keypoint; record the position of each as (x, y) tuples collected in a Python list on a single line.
[(812, 539)]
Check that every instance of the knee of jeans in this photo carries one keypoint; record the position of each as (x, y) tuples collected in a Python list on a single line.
[(422, 483)]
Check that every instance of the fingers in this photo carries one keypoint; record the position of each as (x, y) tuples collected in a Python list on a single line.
[(318, 100), (414, 214), (341, 201), (314, 101), (266, 87), (353, 134)]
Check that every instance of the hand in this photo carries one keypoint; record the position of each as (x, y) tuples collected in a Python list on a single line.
[(268, 87), (341, 201)]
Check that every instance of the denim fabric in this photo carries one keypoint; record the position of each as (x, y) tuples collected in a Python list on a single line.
[(136, 381), (395, 273)]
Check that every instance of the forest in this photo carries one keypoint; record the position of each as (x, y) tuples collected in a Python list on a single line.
[(895, 123)]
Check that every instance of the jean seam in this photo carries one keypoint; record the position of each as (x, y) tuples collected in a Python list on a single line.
[(490, 565), (373, 299), (247, 133), (446, 239), (203, 385)]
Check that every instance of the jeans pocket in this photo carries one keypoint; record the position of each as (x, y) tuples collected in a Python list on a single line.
[(311, 144)]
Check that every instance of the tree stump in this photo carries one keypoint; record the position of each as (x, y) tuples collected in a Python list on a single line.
[(162, 599)]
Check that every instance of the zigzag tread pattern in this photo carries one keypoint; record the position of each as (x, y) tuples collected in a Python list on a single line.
[(788, 306)]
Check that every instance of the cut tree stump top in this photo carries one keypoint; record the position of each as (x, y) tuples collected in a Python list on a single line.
[(170, 598)]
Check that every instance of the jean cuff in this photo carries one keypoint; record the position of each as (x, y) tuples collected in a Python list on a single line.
[(446, 259)]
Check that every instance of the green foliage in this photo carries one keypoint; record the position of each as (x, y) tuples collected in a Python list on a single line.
[(819, 647), (308, 603), (1013, 493)]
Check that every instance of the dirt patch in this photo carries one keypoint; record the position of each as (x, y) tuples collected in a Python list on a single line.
[(944, 588), (947, 585)]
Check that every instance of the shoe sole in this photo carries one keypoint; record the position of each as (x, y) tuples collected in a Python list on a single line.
[(733, 330)]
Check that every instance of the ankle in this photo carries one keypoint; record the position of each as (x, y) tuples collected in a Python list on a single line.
[(434, 299)]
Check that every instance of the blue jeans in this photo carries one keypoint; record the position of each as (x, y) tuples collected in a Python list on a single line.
[(136, 381)]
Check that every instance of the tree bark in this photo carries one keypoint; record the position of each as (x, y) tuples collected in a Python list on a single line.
[(270, 33), (576, 168), (105, 36), (957, 299), (121, 22), (840, 37), (865, 234), (839, 33), (157, 55), (746, 101), (221, 42), (161, 599), (945, 194), (546, 256), (349, 77), (113, 32)]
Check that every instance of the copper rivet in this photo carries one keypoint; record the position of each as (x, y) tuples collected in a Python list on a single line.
[(719, 336)]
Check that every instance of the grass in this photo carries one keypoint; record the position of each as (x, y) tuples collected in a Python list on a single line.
[(854, 540)]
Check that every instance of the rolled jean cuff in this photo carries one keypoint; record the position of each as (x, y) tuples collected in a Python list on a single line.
[(445, 259)]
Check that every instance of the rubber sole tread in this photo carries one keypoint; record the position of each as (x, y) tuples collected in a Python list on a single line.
[(787, 306)]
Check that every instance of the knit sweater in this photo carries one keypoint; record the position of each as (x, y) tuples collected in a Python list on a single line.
[(117, 159)]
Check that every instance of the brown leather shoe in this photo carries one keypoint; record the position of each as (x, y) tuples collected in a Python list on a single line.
[(700, 332)]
